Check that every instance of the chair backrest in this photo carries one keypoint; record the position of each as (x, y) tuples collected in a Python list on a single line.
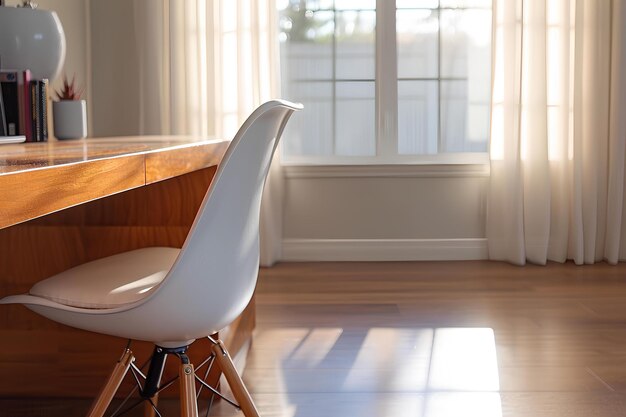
[(214, 277)]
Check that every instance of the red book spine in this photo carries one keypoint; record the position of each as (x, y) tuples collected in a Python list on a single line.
[(26, 113)]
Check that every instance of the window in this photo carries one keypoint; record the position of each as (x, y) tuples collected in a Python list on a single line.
[(386, 82)]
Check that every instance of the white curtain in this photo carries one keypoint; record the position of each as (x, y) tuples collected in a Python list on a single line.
[(205, 66), (558, 131)]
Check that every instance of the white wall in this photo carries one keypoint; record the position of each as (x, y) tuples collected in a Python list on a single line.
[(425, 213), (385, 208)]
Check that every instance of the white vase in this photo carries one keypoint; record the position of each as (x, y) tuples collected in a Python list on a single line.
[(32, 39), (70, 119)]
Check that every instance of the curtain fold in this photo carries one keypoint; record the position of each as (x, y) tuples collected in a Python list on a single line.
[(557, 135), (204, 67)]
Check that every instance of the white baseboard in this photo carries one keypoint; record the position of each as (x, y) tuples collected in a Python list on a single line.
[(384, 249)]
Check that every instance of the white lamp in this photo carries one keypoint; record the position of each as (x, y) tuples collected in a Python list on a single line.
[(31, 39)]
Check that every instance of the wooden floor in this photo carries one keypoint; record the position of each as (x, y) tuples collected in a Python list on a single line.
[(453, 339)]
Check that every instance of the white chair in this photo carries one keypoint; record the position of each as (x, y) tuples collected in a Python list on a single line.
[(171, 297)]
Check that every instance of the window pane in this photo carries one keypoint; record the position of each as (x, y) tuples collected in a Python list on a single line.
[(465, 103), (466, 45), (355, 119), (417, 43), (310, 132), (466, 3), (306, 25), (417, 4), (355, 4), (282, 5), (306, 48), (464, 118), (417, 117), (322, 51), (355, 37)]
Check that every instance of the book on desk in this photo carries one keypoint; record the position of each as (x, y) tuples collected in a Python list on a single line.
[(23, 107)]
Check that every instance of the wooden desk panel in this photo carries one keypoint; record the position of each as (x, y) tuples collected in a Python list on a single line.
[(42, 191), (42, 358), (40, 178)]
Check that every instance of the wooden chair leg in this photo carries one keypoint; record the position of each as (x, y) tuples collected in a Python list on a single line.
[(148, 411), (188, 403), (101, 403), (234, 380)]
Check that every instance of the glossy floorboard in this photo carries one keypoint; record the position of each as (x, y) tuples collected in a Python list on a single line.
[(475, 339)]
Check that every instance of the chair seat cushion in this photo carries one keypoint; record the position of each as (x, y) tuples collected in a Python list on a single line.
[(109, 282)]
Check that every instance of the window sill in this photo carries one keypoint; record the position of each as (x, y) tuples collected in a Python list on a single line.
[(461, 158), (387, 171)]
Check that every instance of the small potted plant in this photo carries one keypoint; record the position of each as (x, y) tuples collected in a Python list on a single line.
[(69, 112)]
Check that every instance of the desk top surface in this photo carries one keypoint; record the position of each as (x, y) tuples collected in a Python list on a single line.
[(28, 156), (40, 178)]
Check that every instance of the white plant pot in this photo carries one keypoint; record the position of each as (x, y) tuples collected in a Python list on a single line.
[(70, 119)]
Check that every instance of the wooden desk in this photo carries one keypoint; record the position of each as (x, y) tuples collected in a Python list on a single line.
[(53, 216)]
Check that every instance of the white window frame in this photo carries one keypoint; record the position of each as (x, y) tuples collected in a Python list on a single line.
[(386, 110)]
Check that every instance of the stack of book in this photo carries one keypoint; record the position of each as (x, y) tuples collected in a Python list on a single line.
[(23, 106)]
